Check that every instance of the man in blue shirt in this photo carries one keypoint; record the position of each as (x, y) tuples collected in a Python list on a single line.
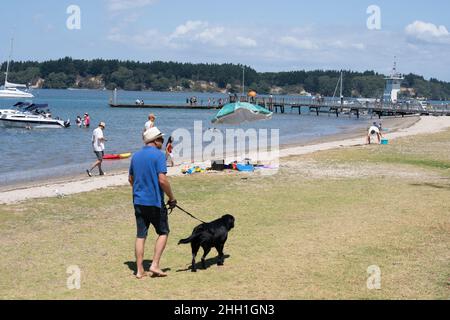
[(149, 181)]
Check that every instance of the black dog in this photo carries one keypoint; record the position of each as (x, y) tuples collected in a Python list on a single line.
[(210, 235)]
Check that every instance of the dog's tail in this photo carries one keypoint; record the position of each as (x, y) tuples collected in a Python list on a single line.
[(187, 240), (197, 231)]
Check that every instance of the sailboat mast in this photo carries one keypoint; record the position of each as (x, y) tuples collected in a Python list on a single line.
[(243, 80), (9, 61)]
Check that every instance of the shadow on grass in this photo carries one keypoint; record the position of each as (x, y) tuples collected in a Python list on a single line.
[(147, 264), (208, 263), (431, 185)]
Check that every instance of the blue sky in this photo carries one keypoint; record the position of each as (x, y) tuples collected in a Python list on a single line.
[(277, 35)]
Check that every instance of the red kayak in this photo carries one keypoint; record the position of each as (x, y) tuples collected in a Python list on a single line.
[(117, 156), (111, 157)]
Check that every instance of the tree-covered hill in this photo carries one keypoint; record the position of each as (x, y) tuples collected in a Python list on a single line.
[(173, 76)]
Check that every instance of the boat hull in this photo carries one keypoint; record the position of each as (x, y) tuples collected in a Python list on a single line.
[(40, 124), (15, 94)]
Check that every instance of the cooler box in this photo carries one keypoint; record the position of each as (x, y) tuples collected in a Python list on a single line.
[(218, 165)]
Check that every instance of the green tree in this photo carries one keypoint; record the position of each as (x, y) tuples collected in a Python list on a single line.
[(121, 76)]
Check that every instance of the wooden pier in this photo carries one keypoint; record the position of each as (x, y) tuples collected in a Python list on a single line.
[(309, 105), (165, 106), (190, 104), (338, 107)]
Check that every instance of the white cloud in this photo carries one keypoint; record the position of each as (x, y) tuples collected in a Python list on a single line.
[(428, 32), (217, 36), (188, 27), (149, 39), (198, 31), (358, 46), (246, 42), (212, 36), (121, 5), (339, 44), (294, 42)]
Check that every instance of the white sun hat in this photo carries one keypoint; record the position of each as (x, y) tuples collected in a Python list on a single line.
[(152, 134)]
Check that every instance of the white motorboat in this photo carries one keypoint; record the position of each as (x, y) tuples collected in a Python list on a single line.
[(31, 121), (30, 116)]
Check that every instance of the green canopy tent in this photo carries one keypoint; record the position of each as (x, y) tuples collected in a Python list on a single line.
[(240, 112)]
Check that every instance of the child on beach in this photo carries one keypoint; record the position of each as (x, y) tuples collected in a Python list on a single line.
[(169, 154)]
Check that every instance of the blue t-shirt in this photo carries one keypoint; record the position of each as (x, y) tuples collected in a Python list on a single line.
[(145, 168)]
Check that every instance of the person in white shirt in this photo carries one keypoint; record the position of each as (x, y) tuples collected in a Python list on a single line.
[(98, 144), (374, 130), (150, 123)]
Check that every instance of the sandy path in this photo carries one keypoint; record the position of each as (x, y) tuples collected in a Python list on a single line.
[(426, 125)]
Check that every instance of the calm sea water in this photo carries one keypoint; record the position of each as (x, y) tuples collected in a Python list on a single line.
[(52, 153)]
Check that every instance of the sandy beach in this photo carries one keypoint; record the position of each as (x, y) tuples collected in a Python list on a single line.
[(398, 127)]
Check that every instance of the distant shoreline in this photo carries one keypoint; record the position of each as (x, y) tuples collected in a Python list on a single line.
[(177, 77)]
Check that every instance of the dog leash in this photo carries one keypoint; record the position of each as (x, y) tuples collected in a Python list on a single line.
[(189, 214)]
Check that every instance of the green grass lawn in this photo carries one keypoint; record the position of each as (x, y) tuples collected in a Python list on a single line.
[(296, 236), (426, 151)]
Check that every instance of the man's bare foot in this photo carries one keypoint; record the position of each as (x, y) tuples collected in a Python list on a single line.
[(141, 276), (158, 272)]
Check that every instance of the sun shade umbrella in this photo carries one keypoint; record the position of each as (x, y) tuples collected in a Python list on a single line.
[(240, 112)]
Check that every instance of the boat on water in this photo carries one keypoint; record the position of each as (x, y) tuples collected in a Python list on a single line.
[(30, 116), (12, 90), (29, 121)]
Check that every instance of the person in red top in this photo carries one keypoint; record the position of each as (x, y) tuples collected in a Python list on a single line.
[(169, 152), (87, 120)]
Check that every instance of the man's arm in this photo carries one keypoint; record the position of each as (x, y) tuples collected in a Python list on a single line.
[(131, 180), (165, 185)]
